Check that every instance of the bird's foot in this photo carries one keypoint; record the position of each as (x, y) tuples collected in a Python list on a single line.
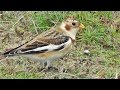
[(50, 68)]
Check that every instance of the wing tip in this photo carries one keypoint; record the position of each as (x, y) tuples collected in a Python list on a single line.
[(9, 52)]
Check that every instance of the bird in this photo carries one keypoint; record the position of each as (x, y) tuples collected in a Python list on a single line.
[(51, 44)]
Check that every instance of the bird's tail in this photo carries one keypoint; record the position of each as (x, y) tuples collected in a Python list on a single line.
[(7, 53)]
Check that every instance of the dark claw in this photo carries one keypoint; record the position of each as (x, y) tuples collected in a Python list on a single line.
[(50, 68)]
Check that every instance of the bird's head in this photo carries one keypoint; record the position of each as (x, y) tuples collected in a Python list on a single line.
[(71, 26)]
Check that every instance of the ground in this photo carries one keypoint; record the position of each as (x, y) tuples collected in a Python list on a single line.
[(101, 37)]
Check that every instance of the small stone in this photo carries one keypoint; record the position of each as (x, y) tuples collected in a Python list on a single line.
[(86, 51)]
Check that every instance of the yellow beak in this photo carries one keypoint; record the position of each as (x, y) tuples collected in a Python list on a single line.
[(82, 26)]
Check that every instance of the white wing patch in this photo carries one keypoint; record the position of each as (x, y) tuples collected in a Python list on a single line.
[(50, 47)]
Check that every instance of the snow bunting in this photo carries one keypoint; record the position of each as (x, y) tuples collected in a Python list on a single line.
[(50, 45)]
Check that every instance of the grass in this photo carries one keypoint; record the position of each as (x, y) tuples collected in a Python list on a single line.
[(100, 36)]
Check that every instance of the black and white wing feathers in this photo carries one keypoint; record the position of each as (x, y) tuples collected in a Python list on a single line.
[(41, 46)]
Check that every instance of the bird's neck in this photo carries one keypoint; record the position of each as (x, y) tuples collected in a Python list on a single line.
[(71, 34)]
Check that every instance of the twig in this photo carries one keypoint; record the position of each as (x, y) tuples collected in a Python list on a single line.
[(35, 27), (44, 27), (6, 21), (16, 22), (116, 74), (1, 14)]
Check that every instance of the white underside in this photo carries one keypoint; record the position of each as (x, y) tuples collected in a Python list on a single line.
[(43, 60)]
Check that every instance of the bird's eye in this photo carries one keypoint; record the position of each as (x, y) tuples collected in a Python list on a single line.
[(73, 24)]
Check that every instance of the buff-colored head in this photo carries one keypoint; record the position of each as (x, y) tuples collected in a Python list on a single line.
[(71, 26)]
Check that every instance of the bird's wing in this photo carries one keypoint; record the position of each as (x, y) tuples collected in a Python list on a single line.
[(40, 46)]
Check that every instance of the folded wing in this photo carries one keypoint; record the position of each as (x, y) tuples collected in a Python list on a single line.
[(41, 46)]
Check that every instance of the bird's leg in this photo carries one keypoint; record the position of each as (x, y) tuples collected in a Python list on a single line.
[(44, 65), (48, 66)]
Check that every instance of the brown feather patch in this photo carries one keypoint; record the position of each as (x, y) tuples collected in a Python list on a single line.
[(67, 27), (37, 44)]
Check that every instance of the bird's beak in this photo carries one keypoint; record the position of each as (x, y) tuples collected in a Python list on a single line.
[(82, 26)]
